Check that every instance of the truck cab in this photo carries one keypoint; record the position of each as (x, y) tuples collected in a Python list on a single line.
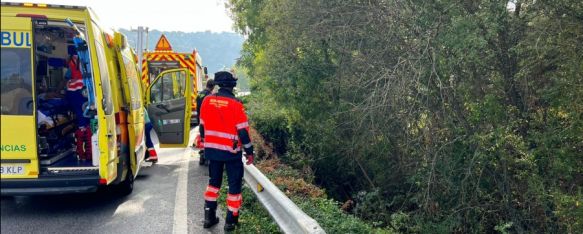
[(163, 58)]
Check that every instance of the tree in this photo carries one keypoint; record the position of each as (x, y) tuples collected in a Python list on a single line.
[(461, 116)]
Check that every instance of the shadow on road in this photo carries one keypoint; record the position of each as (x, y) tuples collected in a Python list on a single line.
[(106, 199)]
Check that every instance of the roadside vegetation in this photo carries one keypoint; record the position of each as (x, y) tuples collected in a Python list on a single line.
[(422, 116), (298, 187)]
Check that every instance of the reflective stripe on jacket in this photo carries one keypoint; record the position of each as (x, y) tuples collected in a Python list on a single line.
[(75, 84)]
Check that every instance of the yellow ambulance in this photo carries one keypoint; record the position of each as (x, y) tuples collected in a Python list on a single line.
[(42, 46)]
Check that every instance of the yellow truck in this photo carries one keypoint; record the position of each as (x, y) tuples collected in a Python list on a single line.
[(39, 152), (163, 58)]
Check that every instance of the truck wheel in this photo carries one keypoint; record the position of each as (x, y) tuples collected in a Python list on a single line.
[(127, 186)]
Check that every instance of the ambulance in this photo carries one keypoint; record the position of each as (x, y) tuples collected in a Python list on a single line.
[(42, 45)]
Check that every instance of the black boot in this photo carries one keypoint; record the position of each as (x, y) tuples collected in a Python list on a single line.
[(201, 160), (210, 217), (231, 221)]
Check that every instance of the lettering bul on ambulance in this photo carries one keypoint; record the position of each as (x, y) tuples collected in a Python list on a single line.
[(15, 39)]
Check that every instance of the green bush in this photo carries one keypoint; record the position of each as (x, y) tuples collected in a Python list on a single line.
[(452, 116), (332, 219), (270, 121), (325, 211)]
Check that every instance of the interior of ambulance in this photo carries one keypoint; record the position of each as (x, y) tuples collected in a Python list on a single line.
[(62, 142)]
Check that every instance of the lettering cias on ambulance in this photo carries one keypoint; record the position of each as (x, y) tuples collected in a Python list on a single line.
[(15, 39), (12, 148)]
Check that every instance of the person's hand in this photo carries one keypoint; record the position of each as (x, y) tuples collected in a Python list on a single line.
[(250, 159)]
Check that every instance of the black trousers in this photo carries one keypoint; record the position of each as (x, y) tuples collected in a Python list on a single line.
[(234, 176)]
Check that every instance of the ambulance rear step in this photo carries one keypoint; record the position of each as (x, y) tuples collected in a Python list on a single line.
[(70, 171), (57, 169)]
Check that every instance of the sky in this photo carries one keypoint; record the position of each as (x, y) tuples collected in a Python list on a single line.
[(164, 15)]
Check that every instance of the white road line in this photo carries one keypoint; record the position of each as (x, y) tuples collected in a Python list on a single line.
[(181, 202)]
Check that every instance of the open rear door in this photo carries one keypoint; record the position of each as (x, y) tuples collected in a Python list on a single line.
[(18, 151), (168, 105)]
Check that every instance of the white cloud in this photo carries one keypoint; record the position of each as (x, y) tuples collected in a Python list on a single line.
[(166, 15)]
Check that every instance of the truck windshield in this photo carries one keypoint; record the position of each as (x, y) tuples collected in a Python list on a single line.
[(16, 82)]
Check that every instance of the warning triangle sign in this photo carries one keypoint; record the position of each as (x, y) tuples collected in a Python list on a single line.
[(163, 44)]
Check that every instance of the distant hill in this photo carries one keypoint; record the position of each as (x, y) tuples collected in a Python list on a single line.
[(218, 50)]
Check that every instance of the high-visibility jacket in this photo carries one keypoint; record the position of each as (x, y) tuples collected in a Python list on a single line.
[(76, 81), (224, 127)]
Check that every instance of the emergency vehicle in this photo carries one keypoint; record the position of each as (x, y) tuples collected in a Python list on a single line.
[(37, 154), (164, 58)]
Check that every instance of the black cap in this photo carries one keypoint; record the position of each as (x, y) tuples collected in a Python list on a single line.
[(225, 79), (210, 83)]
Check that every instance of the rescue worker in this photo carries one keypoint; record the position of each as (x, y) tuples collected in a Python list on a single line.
[(76, 100), (225, 131), (210, 86), (151, 155)]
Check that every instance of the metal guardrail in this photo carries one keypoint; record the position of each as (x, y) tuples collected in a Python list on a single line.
[(288, 216)]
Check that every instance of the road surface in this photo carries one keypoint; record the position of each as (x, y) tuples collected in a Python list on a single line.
[(167, 198)]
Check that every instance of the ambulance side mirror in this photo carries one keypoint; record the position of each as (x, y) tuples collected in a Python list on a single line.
[(206, 72)]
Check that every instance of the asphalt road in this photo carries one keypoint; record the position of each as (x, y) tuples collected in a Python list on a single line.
[(167, 198)]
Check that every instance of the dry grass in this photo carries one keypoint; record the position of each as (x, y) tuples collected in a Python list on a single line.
[(263, 149), (289, 180)]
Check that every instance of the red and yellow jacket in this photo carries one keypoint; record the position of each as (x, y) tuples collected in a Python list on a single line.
[(224, 127), (76, 81)]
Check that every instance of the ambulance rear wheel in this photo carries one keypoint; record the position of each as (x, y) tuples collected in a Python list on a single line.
[(126, 187)]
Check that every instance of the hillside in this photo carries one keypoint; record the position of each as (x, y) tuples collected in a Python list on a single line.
[(218, 50)]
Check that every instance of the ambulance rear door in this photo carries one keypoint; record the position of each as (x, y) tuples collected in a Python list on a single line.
[(133, 96), (18, 151), (168, 105)]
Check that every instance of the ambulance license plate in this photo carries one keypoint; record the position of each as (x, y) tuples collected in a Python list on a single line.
[(17, 169)]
